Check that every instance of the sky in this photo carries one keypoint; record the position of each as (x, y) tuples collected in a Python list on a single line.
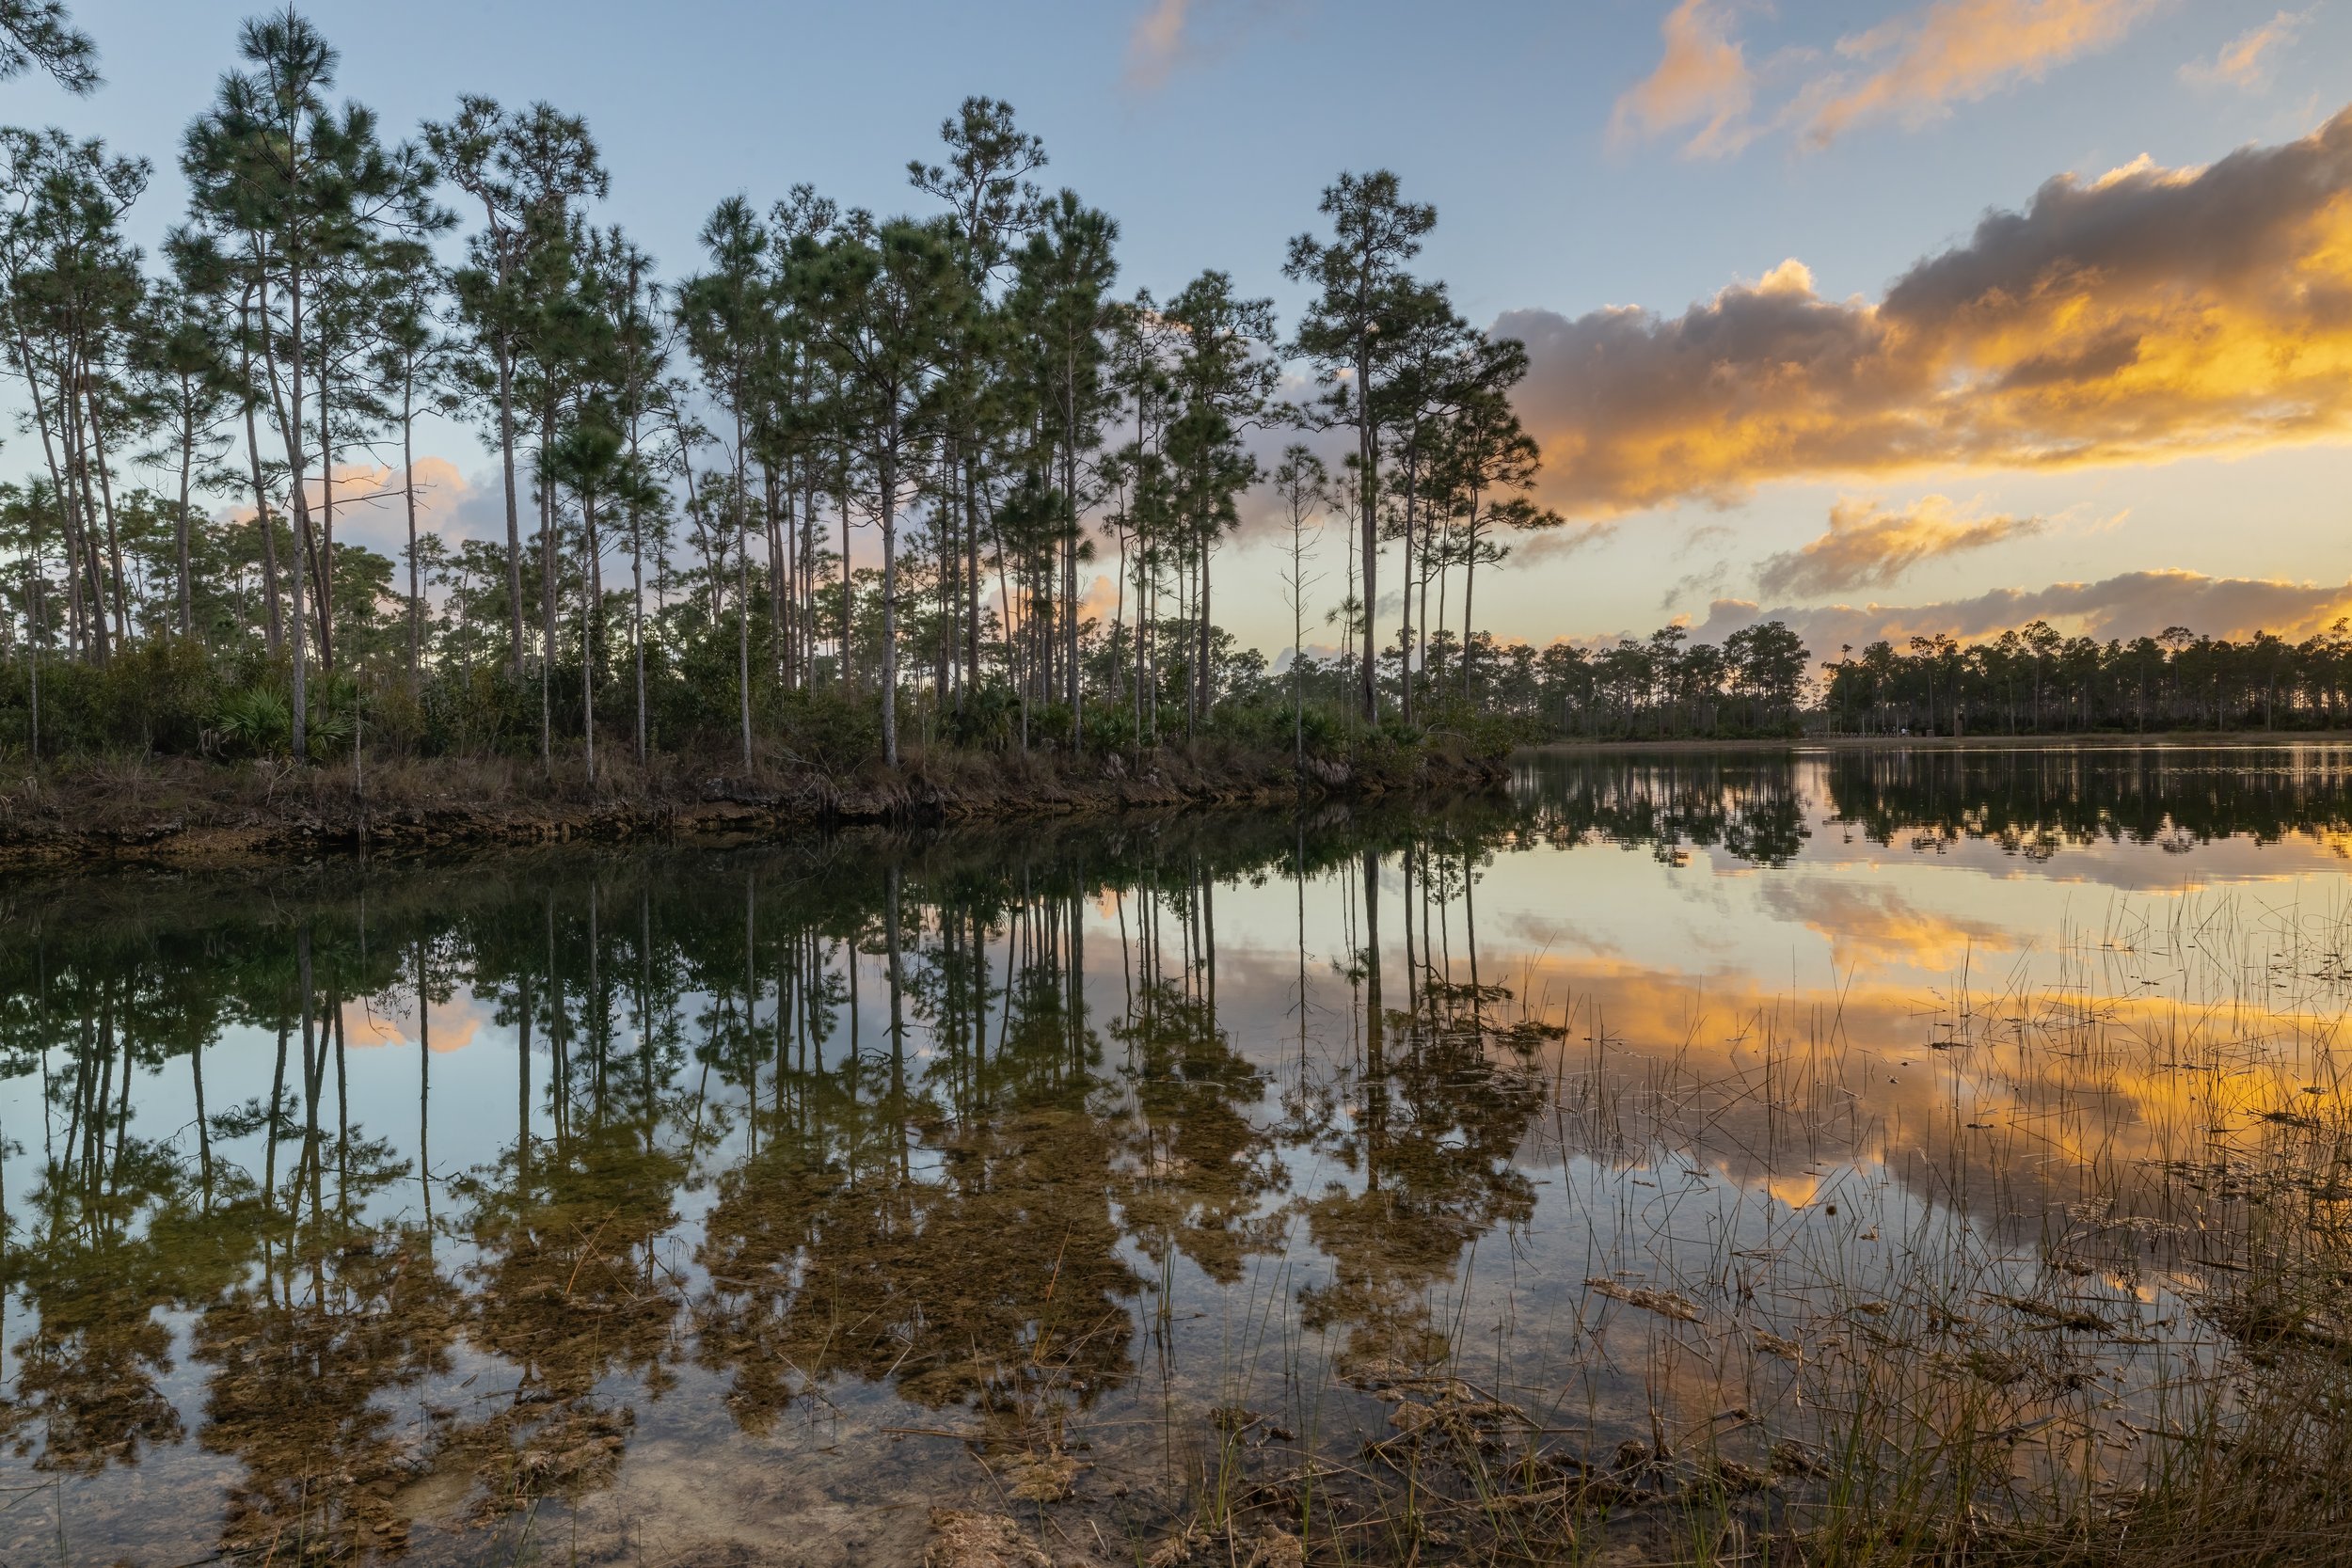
[(1883, 317)]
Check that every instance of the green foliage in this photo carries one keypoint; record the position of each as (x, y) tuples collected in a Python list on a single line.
[(255, 722), (828, 730), (988, 718)]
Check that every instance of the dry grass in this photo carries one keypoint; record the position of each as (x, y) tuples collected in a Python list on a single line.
[(2104, 1317)]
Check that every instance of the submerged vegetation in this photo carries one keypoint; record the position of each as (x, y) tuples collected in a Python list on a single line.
[(1192, 1190)]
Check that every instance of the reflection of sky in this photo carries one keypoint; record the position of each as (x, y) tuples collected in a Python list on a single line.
[(1781, 991), (1666, 957)]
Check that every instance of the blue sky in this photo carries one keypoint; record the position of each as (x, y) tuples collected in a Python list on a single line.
[(1208, 128)]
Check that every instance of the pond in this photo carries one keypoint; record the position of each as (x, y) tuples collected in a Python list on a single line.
[(1654, 1141)]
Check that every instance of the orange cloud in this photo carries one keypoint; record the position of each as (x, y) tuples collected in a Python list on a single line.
[(2245, 60), (1911, 68), (454, 1025), (371, 505), (1868, 546), (1702, 79), (1172, 33), (1957, 52), (2147, 314), (1156, 43), (1860, 921)]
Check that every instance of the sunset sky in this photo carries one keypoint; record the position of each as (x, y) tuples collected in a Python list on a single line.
[(1913, 315)]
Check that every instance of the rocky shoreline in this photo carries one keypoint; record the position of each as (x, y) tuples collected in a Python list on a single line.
[(196, 815)]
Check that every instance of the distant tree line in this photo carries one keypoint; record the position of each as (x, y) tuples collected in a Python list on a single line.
[(2035, 680)]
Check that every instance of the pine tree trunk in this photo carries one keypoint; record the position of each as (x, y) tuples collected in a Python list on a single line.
[(889, 477)]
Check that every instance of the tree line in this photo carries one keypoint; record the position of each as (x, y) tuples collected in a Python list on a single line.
[(851, 473), (850, 476), (2035, 680), (2027, 680)]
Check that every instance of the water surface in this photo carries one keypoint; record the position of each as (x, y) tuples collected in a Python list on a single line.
[(675, 1206)]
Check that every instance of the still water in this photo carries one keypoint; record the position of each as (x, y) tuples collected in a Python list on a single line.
[(747, 1203)]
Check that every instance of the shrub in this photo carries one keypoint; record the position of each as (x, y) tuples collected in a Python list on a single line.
[(255, 722)]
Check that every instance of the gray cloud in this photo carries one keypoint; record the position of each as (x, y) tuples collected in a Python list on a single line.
[(1869, 547)]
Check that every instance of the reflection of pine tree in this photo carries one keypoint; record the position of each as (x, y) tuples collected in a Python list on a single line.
[(301, 1356), (927, 1186), (1433, 1149), (1749, 806), (984, 1273), (2035, 802), (567, 1291), (1196, 1169), (86, 1392)]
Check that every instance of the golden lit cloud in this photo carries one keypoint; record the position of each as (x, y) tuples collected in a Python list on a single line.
[(1911, 68), (1869, 547), (454, 1025), (1701, 79), (1955, 52), (1861, 921), (2245, 61), (2147, 314)]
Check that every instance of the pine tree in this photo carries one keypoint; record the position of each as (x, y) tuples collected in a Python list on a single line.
[(1364, 295)]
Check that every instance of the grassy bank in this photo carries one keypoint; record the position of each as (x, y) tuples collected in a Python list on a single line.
[(191, 811), (2099, 1337)]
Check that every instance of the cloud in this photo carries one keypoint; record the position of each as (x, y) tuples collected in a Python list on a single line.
[(371, 511), (1862, 921), (1703, 79), (2129, 605), (2247, 60), (1869, 547), (1911, 68), (2147, 314), (1171, 33), (1956, 52), (1156, 43)]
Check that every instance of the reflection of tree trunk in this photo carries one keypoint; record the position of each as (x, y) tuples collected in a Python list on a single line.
[(122, 1115), (559, 1057), (203, 1129), (1372, 962), (1375, 1097), (343, 1117), (849, 962), (1208, 935), (751, 1011), (644, 1024), (94, 1121), (1469, 939), (1438, 956), (269, 1149), (1004, 1020), (522, 1086), (425, 1090), (1412, 960), (599, 1018), (1298, 880), (312, 1066), (897, 1039), (787, 1009)]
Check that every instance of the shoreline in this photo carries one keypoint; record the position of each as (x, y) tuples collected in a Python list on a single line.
[(180, 816), (2097, 741)]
